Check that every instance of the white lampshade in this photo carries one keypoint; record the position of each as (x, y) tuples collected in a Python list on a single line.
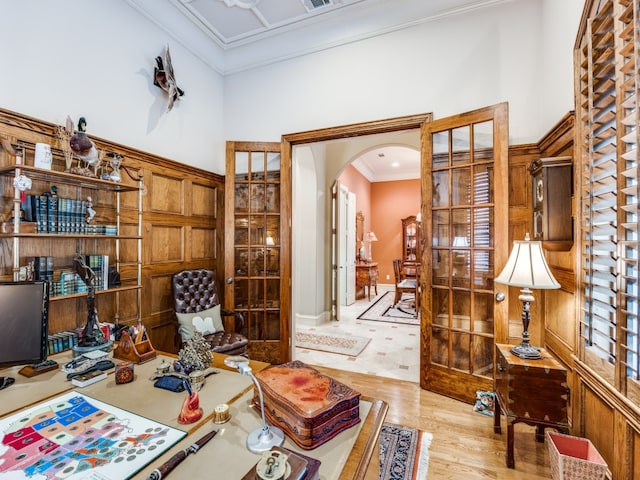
[(460, 242), (527, 267)]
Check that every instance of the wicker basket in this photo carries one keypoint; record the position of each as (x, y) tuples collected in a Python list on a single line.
[(574, 458)]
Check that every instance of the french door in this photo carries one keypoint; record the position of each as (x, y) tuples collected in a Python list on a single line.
[(257, 246), (465, 215)]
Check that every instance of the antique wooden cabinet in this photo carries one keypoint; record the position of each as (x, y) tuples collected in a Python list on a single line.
[(367, 278), (410, 245), (534, 392)]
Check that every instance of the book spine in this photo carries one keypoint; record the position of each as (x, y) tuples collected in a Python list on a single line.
[(52, 214), (26, 208), (41, 213), (49, 268), (105, 271)]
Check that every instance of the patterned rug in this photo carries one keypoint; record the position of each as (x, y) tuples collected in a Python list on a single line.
[(404, 453), (351, 345), (384, 311)]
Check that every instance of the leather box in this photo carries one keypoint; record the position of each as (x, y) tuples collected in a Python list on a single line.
[(310, 407)]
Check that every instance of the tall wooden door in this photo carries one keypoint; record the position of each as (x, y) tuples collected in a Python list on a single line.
[(257, 246), (465, 215)]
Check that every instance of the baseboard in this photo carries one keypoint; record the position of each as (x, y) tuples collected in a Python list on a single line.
[(312, 320)]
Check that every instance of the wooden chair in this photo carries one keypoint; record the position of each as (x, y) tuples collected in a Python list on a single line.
[(403, 284), (195, 291)]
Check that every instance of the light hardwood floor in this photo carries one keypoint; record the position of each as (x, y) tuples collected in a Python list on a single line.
[(464, 445)]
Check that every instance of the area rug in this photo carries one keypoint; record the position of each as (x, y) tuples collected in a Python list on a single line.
[(351, 345), (383, 310), (404, 453)]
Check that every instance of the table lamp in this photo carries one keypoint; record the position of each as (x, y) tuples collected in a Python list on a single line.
[(261, 439), (527, 268), (370, 237)]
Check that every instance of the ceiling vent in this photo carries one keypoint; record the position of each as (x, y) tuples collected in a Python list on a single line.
[(311, 5)]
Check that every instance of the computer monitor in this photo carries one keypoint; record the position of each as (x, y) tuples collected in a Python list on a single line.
[(24, 309)]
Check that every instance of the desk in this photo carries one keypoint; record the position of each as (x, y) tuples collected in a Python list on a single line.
[(346, 456), (534, 392), (367, 277)]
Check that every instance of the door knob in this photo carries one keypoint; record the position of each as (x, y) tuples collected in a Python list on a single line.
[(500, 296), (229, 280)]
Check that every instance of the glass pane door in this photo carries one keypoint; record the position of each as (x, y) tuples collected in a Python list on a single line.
[(462, 207), (253, 254)]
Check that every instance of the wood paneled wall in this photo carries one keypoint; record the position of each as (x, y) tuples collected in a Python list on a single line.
[(551, 309), (559, 308), (596, 411), (182, 226)]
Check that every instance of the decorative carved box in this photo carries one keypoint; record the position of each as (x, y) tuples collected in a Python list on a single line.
[(310, 407), (534, 392)]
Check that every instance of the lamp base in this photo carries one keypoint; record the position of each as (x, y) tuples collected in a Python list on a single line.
[(261, 439), (526, 350)]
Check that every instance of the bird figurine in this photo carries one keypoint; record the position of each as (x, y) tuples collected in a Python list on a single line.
[(165, 78), (82, 145)]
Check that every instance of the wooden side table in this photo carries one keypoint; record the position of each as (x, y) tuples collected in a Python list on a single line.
[(534, 392), (367, 276)]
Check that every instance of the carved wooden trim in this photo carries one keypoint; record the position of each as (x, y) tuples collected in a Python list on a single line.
[(359, 129), (555, 137)]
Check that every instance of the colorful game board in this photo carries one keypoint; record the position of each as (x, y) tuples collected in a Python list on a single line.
[(73, 437)]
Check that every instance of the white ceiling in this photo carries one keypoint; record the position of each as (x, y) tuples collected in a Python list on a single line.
[(389, 163), (236, 35)]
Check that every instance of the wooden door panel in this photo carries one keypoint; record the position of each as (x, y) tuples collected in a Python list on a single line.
[(255, 246), (464, 211)]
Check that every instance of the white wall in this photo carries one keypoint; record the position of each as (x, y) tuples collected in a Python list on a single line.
[(95, 58), (309, 213), (560, 27), (449, 66)]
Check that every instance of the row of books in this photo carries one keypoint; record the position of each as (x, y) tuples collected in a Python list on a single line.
[(54, 214), (41, 268), (59, 342)]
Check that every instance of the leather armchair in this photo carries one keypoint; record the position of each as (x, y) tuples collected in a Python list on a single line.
[(195, 291)]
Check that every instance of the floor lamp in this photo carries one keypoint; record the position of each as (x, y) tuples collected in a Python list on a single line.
[(527, 269)]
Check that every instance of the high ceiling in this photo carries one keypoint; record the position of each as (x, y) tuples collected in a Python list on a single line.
[(236, 35)]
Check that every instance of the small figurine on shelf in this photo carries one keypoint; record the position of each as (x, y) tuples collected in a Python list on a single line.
[(64, 134), (191, 410), (90, 211), (85, 150), (116, 162)]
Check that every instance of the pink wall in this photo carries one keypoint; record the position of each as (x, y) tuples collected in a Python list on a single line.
[(384, 204), (390, 203)]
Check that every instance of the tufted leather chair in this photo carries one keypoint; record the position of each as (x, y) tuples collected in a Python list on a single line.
[(195, 291)]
